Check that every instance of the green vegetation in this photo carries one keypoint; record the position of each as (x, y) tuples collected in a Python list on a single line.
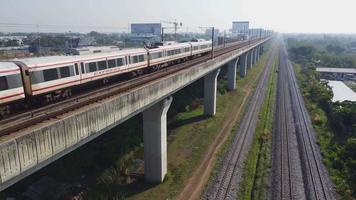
[(335, 123), (324, 52), (255, 183)]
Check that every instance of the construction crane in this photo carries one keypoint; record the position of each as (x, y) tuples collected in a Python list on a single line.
[(176, 26)]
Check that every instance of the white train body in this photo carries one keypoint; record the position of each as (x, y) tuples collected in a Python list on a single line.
[(39, 76), (11, 86)]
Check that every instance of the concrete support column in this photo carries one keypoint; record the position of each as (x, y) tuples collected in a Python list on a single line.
[(155, 140), (257, 53), (255, 56), (252, 57), (210, 82), (231, 74), (249, 59), (243, 64)]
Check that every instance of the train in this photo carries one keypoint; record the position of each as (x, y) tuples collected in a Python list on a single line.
[(52, 78)]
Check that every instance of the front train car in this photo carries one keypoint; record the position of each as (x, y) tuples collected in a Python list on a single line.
[(11, 86)]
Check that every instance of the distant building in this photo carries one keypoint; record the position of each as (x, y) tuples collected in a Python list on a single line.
[(216, 32), (12, 40), (337, 73), (255, 33), (240, 27), (84, 41), (146, 29)]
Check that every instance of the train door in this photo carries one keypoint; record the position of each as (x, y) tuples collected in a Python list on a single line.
[(77, 72), (127, 61)]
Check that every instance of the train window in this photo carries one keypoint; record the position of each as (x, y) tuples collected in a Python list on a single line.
[(156, 55), (171, 52), (141, 58), (112, 63), (14, 81), (64, 72), (135, 59), (91, 67), (119, 62), (102, 65), (36, 77), (76, 69), (195, 48), (187, 49), (3, 83), (82, 68), (50, 74)]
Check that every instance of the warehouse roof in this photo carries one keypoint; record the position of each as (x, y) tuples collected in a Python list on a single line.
[(336, 70), (341, 92)]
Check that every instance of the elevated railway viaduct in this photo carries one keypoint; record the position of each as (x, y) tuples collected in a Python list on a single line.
[(25, 151)]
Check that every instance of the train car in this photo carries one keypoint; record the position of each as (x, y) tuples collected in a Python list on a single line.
[(55, 75), (169, 54), (101, 66), (11, 86), (201, 47)]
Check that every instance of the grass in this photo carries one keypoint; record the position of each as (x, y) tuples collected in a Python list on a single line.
[(255, 183)]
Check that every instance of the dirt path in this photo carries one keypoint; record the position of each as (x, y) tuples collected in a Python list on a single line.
[(200, 176)]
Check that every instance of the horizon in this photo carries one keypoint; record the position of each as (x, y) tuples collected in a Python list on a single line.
[(278, 15)]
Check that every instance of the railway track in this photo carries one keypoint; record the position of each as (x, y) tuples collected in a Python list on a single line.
[(286, 182), (28, 118), (316, 181), (225, 183)]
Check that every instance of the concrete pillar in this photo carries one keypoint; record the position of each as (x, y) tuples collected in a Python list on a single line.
[(243, 64), (210, 82), (255, 56), (258, 53), (249, 59), (252, 57), (231, 74), (155, 140)]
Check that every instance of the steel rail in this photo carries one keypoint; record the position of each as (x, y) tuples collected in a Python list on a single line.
[(303, 117)]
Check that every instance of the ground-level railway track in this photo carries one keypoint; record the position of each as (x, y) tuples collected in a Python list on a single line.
[(224, 184), (25, 119), (314, 180), (283, 130)]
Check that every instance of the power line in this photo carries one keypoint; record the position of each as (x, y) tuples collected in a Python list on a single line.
[(53, 26)]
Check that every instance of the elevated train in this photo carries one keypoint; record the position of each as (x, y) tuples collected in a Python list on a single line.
[(47, 79)]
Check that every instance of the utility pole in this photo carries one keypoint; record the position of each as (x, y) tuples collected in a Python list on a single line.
[(176, 24), (39, 38), (224, 38), (212, 40), (162, 34)]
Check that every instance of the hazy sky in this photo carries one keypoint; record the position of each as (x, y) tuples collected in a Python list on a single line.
[(280, 15)]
